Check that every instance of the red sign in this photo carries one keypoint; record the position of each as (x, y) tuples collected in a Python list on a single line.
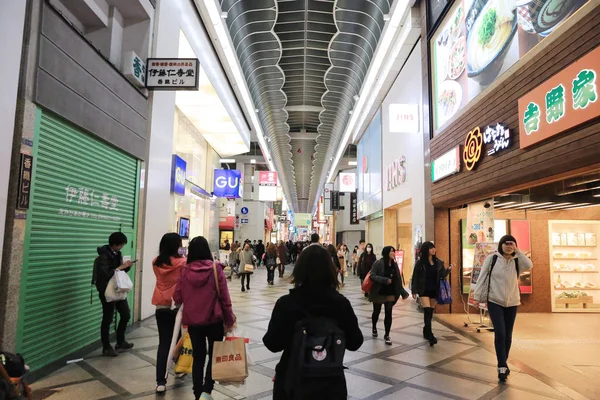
[(400, 260), (267, 178), (564, 101)]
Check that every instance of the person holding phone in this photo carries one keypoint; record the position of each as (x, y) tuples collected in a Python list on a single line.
[(427, 274), (498, 286), (108, 261)]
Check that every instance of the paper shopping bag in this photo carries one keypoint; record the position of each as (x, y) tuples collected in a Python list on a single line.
[(185, 361), (229, 361)]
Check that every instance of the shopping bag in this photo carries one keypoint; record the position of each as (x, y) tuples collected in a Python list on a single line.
[(367, 283), (445, 293), (230, 361), (278, 260), (186, 358), (112, 292), (173, 356), (123, 281)]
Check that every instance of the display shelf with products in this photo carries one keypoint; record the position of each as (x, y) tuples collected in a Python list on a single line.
[(574, 266)]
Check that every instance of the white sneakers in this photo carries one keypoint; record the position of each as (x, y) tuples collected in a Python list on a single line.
[(161, 389), (206, 396)]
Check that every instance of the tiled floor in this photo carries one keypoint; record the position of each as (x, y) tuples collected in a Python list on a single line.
[(457, 368)]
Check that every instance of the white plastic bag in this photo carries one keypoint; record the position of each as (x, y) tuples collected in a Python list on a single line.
[(112, 292), (123, 281)]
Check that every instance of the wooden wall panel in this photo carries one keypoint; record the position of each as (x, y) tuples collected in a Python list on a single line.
[(569, 151)]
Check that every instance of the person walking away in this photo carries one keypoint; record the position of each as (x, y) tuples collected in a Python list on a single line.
[(498, 285), (365, 263), (271, 262), (259, 251), (387, 290), (427, 274), (246, 257), (313, 298), (336, 261), (108, 261), (281, 253), (347, 258), (207, 311), (234, 260), (360, 251), (167, 268)]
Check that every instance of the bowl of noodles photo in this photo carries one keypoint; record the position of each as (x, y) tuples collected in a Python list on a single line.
[(491, 27)]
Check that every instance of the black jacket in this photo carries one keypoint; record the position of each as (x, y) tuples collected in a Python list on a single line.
[(289, 309), (419, 277), (336, 262), (259, 250), (105, 265), (379, 280), (365, 263)]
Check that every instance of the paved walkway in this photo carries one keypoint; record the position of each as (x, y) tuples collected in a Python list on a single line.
[(457, 368)]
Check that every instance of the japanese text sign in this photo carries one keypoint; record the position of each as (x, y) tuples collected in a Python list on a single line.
[(178, 170), (267, 178), (227, 183), (134, 69), (564, 101), (25, 182), (353, 209), (172, 73), (499, 136), (446, 165)]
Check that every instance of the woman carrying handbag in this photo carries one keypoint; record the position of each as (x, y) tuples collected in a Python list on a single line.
[(246, 266)]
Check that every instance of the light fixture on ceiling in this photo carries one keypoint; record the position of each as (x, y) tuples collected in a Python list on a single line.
[(253, 161), (227, 160), (356, 97), (224, 14), (353, 163), (386, 17)]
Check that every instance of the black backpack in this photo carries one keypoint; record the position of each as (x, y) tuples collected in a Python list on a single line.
[(316, 365), (14, 364)]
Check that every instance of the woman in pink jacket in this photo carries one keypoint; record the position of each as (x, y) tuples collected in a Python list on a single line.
[(206, 309)]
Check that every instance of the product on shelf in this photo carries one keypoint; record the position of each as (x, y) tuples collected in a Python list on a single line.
[(590, 239), (585, 254), (590, 285), (558, 254), (556, 239), (571, 239), (563, 239), (581, 239), (589, 267), (571, 254)]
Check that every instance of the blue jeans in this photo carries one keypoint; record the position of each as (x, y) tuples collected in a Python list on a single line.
[(503, 319)]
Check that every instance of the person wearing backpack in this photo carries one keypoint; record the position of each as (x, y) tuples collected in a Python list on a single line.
[(425, 283), (313, 325), (167, 268), (498, 286), (207, 310), (108, 261), (386, 291)]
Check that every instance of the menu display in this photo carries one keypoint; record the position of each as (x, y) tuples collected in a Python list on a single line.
[(481, 39)]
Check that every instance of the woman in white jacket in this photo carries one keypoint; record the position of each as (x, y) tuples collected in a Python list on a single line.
[(498, 285)]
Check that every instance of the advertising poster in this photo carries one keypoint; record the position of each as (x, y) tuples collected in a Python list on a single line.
[(479, 40), (482, 251), (480, 222), (400, 260), (521, 231), (468, 254)]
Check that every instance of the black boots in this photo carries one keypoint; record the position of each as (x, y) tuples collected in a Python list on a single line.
[(427, 331)]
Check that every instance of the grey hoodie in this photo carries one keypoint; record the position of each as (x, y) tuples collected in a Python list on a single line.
[(504, 282)]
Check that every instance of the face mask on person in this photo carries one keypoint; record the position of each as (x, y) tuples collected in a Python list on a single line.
[(370, 249)]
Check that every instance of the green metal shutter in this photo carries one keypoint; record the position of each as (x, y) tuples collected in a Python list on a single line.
[(82, 191)]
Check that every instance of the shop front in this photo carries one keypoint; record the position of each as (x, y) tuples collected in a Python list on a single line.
[(403, 163), (518, 154), (369, 183)]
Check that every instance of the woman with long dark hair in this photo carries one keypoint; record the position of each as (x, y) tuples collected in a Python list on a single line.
[(315, 294), (270, 262), (365, 263), (202, 289), (498, 286), (167, 267), (386, 291), (427, 274)]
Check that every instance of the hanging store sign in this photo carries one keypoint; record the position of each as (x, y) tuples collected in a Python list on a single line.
[(267, 178), (227, 183), (134, 69), (446, 165), (347, 182), (353, 209), (499, 135), (395, 174), (335, 200), (277, 207), (404, 118), (302, 220), (172, 73), (178, 170), (267, 186), (327, 191), (24, 182), (564, 101)]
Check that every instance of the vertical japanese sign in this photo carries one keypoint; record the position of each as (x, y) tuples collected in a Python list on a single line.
[(335, 200), (134, 69), (564, 101), (172, 73), (24, 182), (277, 207), (353, 209)]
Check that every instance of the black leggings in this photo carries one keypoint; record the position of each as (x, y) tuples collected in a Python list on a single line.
[(389, 306), (199, 336), (503, 319), (165, 320), (247, 276), (108, 315)]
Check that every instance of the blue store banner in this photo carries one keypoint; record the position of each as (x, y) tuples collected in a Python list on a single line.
[(227, 183), (178, 170)]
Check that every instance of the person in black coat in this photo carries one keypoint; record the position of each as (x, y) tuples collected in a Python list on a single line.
[(315, 281), (427, 274), (108, 261), (259, 250), (365, 263)]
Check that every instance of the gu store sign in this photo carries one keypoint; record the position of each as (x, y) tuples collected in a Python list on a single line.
[(395, 174), (227, 183)]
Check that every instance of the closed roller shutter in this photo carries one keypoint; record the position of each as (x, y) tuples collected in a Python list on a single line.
[(82, 191)]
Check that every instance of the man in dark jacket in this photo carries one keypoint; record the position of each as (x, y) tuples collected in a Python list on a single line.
[(108, 261), (259, 250)]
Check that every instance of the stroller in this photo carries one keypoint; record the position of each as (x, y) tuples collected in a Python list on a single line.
[(13, 385)]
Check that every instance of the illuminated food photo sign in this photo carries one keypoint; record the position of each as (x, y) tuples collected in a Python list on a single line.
[(479, 40)]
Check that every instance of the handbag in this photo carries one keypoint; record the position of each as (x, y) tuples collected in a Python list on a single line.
[(367, 283), (185, 361), (248, 268), (277, 260), (444, 293)]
